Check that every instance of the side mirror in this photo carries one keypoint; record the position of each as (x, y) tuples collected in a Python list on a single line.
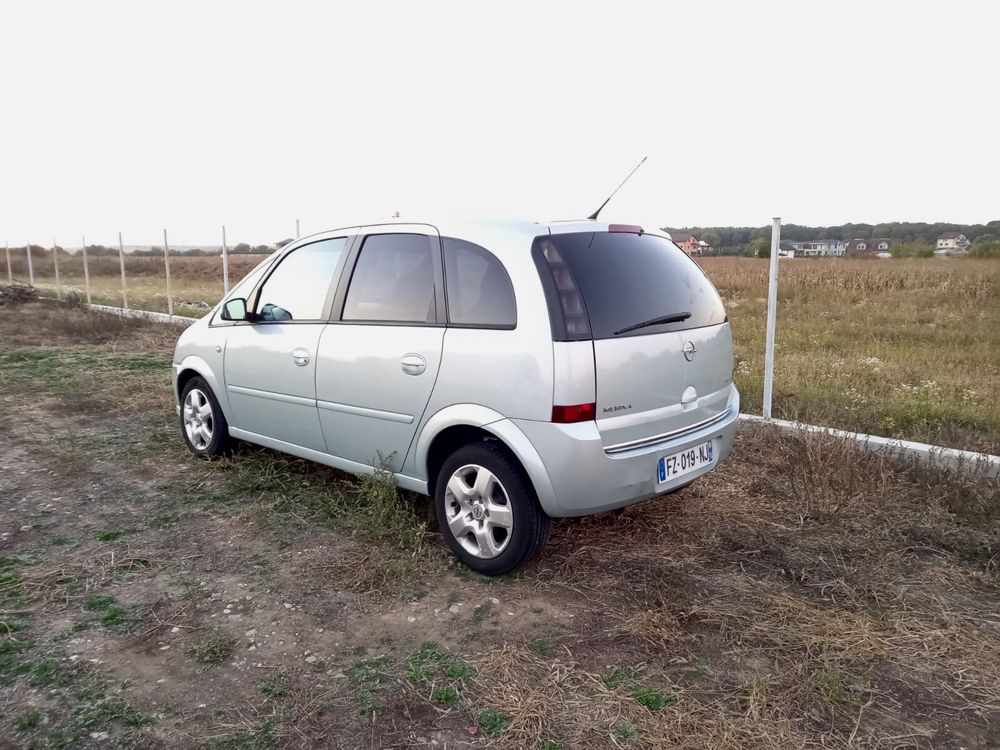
[(235, 309)]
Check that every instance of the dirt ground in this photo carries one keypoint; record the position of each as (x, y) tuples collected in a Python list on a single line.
[(804, 595)]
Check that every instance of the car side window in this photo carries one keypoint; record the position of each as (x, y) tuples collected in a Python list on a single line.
[(393, 281), (298, 287), (477, 286)]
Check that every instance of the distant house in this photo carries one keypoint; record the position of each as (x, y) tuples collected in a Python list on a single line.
[(950, 243), (869, 247), (820, 249), (688, 242)]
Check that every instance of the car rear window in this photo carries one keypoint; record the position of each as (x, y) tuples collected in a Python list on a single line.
[(603, 282)]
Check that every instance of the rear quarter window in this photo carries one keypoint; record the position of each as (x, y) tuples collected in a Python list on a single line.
[(609, 281)]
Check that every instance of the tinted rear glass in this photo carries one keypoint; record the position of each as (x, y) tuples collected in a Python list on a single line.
[(625, 279)]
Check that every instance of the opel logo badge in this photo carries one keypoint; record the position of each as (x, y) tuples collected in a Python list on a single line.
[(689, 350)]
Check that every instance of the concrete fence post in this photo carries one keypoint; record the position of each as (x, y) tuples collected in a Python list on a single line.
[(31, 268), (55, 266), (121, 262), (86, 271), (772, 316), (166, 265), (225, 263)]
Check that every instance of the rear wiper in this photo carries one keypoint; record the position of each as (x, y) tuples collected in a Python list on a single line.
[(675, 318)]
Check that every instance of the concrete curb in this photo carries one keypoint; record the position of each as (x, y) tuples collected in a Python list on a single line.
[(148, 315), (970, 462)]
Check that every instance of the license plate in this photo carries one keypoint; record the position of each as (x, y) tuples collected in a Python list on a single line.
[(678, 464)]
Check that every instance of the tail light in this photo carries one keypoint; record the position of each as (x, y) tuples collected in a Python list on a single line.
[(574, 413), (574, 313), (625, 228)]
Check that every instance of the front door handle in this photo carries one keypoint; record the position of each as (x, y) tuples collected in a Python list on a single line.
[(300, 356), (413, 364)]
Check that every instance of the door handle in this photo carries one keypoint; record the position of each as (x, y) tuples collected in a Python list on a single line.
[(413, 364), (300, 356)]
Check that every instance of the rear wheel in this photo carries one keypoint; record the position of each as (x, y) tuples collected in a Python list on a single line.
[(488, 511), (203, 425)]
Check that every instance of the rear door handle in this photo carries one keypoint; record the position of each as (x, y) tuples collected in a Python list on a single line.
[(413, 364), (300, 356)]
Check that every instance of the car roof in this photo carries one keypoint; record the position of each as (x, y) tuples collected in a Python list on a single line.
[(488, 232)]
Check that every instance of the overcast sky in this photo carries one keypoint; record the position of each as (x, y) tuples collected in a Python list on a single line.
[(135, 116)]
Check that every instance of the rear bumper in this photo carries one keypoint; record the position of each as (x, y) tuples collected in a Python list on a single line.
[(583, 478)]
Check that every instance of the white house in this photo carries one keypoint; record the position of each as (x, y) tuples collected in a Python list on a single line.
[(820, 249), (950, 243)]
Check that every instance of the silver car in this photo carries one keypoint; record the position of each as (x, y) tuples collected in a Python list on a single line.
[(514, 371)]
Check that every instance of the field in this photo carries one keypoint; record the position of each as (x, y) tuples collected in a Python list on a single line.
[(803, 596), (907, 349)]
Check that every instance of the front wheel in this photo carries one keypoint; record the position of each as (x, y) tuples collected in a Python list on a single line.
[(488, 511), (203, 425)]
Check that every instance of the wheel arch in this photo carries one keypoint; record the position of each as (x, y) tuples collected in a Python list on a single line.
[(192, 367), (459, 425)]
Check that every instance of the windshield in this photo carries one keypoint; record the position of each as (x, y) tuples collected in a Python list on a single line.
[(615, 281)]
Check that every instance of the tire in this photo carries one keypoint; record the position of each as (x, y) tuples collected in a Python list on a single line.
[(492, 521), (205, 431)]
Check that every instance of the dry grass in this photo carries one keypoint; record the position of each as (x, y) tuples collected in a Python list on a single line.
[(899, 348)]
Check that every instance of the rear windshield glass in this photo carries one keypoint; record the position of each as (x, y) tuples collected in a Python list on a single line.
[(627, 279)]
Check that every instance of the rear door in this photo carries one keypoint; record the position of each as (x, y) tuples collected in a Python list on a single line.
[(379, 357), (652, 379), (270, 364)]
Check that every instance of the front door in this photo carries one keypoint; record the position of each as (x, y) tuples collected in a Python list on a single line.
[(377, 363), (270, 363)]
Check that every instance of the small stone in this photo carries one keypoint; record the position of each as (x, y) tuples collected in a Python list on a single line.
[(28, 528), (494, 600), (251, 633), (411, 618), (175, 629), (312, 659), (99, 735), (453, 609), (287, 605), (164, 648)]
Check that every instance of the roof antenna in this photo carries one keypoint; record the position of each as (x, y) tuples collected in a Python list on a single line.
[(593, 216)]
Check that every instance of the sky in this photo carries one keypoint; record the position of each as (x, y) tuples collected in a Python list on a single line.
[(135, 117)]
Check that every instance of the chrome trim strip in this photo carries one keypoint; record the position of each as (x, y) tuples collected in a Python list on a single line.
[(644, 442), (283, 397), (360, 411)]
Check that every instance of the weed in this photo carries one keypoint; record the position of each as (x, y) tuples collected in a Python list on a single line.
[(541, 646), (835, 685), (44, 672), (368, 678), (111, 536), (27, 721), (460, 671), (481, 612), (619, 677), (492, 723), (551, 745), (446, 696), (213, 649), (625, 732), (271, 689), (653, 699)]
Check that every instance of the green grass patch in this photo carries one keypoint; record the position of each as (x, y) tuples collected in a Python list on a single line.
[(653, 699), (446, 695), (28, 721), (624, 731), (492, 723), (368, 678), (619, 677)]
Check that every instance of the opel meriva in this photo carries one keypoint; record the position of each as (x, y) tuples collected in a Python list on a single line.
[(512, 371)]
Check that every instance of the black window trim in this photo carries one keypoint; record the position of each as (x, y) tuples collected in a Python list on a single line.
[(477, 326), (340, 296)]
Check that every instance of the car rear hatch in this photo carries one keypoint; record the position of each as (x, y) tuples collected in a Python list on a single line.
[(654, 380)]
